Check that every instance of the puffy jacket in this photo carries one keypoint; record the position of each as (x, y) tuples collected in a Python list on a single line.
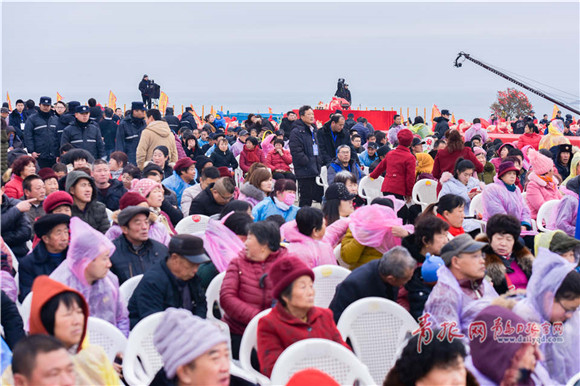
[(336, 167), (95, 213), (15, 227), (109, 131), (205, 204), (220, 158), (251, 194), (275, 161), (13, 188), (532, 139), (539, 191), (188, 120), (245, 291), (157, 133), (37, 262), (441, 127), (355, 254), (302, 139), (267, 208), (451, 185), (328, 142), (40, 135), (85, 136), (159, 289), (279, 329), (114, 194), (16, 120), (172, 122), (312, 252), (445, 161), (399, 165), (128, 135), (498, 199), (176, 184), (126, 262), (366, 160), (249, 157), (488, 173)]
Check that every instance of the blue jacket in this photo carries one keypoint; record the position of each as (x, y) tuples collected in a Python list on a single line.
[(267, 207), (335, 167), (366, 160), (176, 184), (362, 130), (128, 136), (160, 289), (36, 263)]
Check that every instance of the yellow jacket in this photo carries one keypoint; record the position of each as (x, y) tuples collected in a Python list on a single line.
[(355, 254)]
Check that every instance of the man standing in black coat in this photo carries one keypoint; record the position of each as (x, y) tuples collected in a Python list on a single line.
[(172, 282), (109, 191), (84, 134), (287, 122), (129, 131), (442, 124), (171, 120), (305, 156), (96, 113), (53, 232), (144, 88), (135, 252), (40, 135), (331, 136), (108, 130), (17, 119)]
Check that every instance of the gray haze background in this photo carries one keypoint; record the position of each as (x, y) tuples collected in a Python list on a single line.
[(251, 56)]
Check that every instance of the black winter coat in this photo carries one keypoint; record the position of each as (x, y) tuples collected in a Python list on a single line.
[(36, 263), (126, 262), (286, 126), (63, 121), (14, 120), (441, 127), (95, 214), (114, 194), (15, 227), (349, 124), (417, 290), (128, 136), (173, 122), (11, 321), (96, 114), (220, 158), (85, 136), (327, 144), (160, 289), (40, 135), (109, 132), (205, 204), (188, 120), (302, 141)]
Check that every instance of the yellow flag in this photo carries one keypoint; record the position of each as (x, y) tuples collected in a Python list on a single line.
[(212, 112), (112, 100), (453, 118), (58, 97), (555, 111), (9, 101), (434, 114), (163, 101)]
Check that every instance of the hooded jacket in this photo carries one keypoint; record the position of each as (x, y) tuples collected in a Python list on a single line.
[(302, 145), (15, 227), (128, 136), (251, 194), (102, 295), (312, 252), (85, 136), (157, 133), (564, 217), (188, 120), (539, 191), (498, 199), (496, 265), (40, 135), (95, 213)]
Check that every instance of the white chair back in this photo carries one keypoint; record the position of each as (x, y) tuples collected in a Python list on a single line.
[(425, 193), (476, 205), (377, 329), (322, 179), (544, 213), (109, 337), (25, 310), (574, 380), (250, 342), (141, 361), (325, 355), (109, 215), (326, 278), (128, 287), (338, 256), (370, 189), (212, 295), (192, 224)]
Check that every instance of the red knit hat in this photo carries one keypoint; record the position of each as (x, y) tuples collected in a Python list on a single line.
[(56, 199), (506, 166), (312, 377), (131, 199), (183, 163), (285, 271), (47, 174), (405, 137)]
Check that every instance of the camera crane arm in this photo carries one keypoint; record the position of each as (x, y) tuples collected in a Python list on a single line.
[(497, 72)]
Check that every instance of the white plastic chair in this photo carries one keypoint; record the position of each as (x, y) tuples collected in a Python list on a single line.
[(475, 208), (192, 224), (325, 355), (425, 193), (338, 256), (326, 278), (212, 295), (109, 215), (370, 189), (250, 342), (106, 335), (544, 213), (25, 310), (377, 329), (322, 179), (574, 380), (141, 361), (128, 287)]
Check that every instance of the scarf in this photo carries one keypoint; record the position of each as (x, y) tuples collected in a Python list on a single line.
[(511, 188), (252, 155), (453, 230), (281, 205)]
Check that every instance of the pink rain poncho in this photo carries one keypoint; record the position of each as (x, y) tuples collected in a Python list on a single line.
[(562, 359), (448, 303), (498, 199), (103, 295), (371, 225), (221, 244)]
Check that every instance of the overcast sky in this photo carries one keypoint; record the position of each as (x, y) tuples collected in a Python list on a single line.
[(248, 57)]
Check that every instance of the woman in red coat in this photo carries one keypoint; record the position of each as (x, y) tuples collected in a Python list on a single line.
[(294, 317), (251, 153), (22, 167), (245, 292), (279, 160), (529, 137)]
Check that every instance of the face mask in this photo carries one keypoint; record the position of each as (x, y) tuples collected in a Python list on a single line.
[(289, 198)]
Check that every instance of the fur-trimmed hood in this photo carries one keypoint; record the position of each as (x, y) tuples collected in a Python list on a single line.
[(250, 190), (496, 269)]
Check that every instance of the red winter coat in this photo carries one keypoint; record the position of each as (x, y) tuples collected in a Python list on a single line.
[(241, 296), (400, 176), (532, 139), (275, 161), (445, 161), (13, 188), (250, 157), (279, 329)]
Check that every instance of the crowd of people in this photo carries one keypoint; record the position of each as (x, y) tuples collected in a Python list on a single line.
[(92, 197)]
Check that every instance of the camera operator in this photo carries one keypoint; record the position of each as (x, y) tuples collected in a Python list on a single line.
[(144, 87)]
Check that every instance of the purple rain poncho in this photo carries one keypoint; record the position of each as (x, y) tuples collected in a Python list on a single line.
[(498, 199), (564, 217), (103, 295), (448, 303), (157, 232), (312, 252), (548, 272), (221, 244)]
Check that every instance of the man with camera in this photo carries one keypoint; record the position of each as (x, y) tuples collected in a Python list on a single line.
[(144, 87)]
